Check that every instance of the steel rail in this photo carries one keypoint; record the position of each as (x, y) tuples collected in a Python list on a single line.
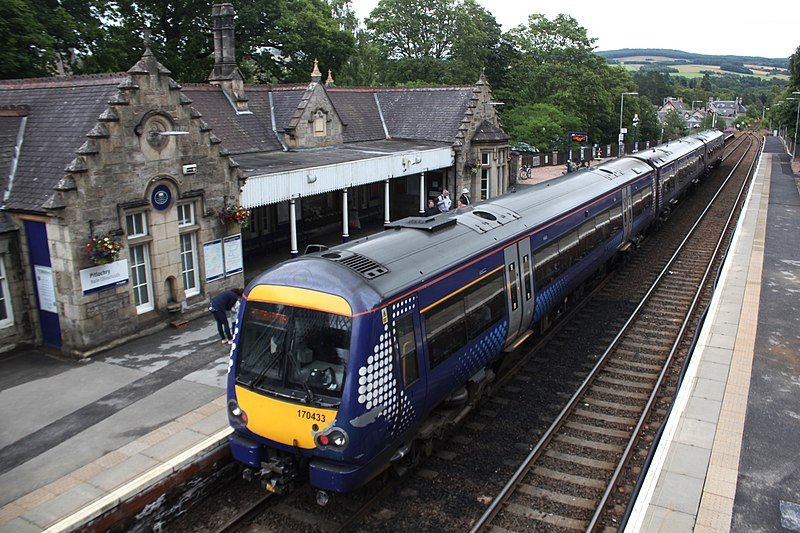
[(678, 339), (534, 454)]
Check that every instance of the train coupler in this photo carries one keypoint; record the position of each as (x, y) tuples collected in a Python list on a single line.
[(277, 474)]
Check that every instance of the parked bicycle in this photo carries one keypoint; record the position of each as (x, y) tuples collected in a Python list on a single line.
[(524, 172)]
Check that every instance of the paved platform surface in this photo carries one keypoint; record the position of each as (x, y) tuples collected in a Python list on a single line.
[(77, 438), (728, 459)]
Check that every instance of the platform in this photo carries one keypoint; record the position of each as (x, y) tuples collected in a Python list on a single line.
[(728, 457)]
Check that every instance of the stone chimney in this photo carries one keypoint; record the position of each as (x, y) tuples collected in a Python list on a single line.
[(226, 72)]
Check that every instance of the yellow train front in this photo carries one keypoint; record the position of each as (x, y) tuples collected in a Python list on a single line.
[(311, 390)]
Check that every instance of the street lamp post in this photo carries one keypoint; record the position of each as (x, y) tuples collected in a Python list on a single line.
[(621, 133), (796, 123)]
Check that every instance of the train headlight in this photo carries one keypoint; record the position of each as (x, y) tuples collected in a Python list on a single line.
[(335, 439), (236, 415)]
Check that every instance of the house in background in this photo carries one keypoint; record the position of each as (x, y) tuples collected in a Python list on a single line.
[(142, 160)]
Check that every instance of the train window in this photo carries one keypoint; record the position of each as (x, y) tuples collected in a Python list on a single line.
[(647, 197), (292, 350), (546, 265), (603, 225), (615, 216), (638, 205), (445, 328), (407, 349), (589, 236), (485, 304), (568, 250), (526, 276), (512, 286)]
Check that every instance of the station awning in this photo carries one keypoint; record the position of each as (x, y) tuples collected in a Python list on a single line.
[(280, 176)]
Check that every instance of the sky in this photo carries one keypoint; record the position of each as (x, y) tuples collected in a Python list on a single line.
[(771, 29)]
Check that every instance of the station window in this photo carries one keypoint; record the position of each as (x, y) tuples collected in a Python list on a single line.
[(136, 224), (185, 215), (188, 249), (139, 250), (6, 313)]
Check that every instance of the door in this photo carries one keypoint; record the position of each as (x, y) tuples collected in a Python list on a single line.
[(410, 363), (627, 214), (44, 282), (519, 287)]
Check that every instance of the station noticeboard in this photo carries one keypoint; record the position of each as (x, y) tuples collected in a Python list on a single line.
[(579, 137)]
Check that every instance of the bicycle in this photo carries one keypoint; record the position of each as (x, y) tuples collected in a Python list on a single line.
[(524, 172)]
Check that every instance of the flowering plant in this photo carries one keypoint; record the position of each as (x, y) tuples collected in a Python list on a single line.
[(103, 249), (235, 214)]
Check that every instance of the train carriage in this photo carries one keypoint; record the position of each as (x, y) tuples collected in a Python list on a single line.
[(343, 356)]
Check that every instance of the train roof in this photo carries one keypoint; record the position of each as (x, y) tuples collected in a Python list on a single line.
[(664, 154), (709, 135), (416, 249)]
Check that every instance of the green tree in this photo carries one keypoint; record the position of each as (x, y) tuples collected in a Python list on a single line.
[(476, 45), (440, 41), (543, 126), (555, 64), (283, 37), (794, 70), (26, 50), (414, 29), (674, 126)]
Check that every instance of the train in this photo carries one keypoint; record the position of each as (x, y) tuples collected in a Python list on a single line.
[(352, 360)]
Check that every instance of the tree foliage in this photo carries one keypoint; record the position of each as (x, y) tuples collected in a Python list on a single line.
[(555, 64), (674, 126)]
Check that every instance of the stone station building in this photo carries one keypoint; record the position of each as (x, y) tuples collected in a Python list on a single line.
[(139, 158)]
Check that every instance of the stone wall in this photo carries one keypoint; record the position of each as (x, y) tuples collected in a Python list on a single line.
[(141, 142)]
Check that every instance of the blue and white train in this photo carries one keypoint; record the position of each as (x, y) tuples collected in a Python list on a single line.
[(352, 359)]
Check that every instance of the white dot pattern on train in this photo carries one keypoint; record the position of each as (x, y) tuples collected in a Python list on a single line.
[(378, 386)]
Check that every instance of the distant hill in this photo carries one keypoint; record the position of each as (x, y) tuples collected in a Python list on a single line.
[(662, 55)]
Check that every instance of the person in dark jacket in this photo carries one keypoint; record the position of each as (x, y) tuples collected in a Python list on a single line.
[(220, 305), (431, 209), (464, 198)]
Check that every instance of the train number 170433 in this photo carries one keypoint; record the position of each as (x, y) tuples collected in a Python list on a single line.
[(308, 415)]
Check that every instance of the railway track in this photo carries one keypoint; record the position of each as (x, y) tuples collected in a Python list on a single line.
[(572, 473), (452, 488)]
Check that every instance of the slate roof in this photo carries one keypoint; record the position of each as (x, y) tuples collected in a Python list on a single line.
[(240, 133), (62, 112), (10, 123), (415, 113), (488, 132), (432, 113), (359, 111)]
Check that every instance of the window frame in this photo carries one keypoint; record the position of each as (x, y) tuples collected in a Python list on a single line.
[(5, 296)]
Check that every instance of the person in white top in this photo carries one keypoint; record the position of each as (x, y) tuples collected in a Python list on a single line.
[(443, 202)]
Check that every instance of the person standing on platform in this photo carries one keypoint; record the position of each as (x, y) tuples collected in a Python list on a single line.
[(221, 304), (443, 202), (464, 198), (431, 209)]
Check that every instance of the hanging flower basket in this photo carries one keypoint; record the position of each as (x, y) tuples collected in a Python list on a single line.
[(103, 249), (235, 214)]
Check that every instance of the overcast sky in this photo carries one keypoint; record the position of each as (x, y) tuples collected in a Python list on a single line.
[(772, 30)]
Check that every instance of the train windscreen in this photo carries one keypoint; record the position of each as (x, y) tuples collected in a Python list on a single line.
[(293, 352)]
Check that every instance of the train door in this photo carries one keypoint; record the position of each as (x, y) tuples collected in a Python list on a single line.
[(519, 287), (627, 214), (411, 365)]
